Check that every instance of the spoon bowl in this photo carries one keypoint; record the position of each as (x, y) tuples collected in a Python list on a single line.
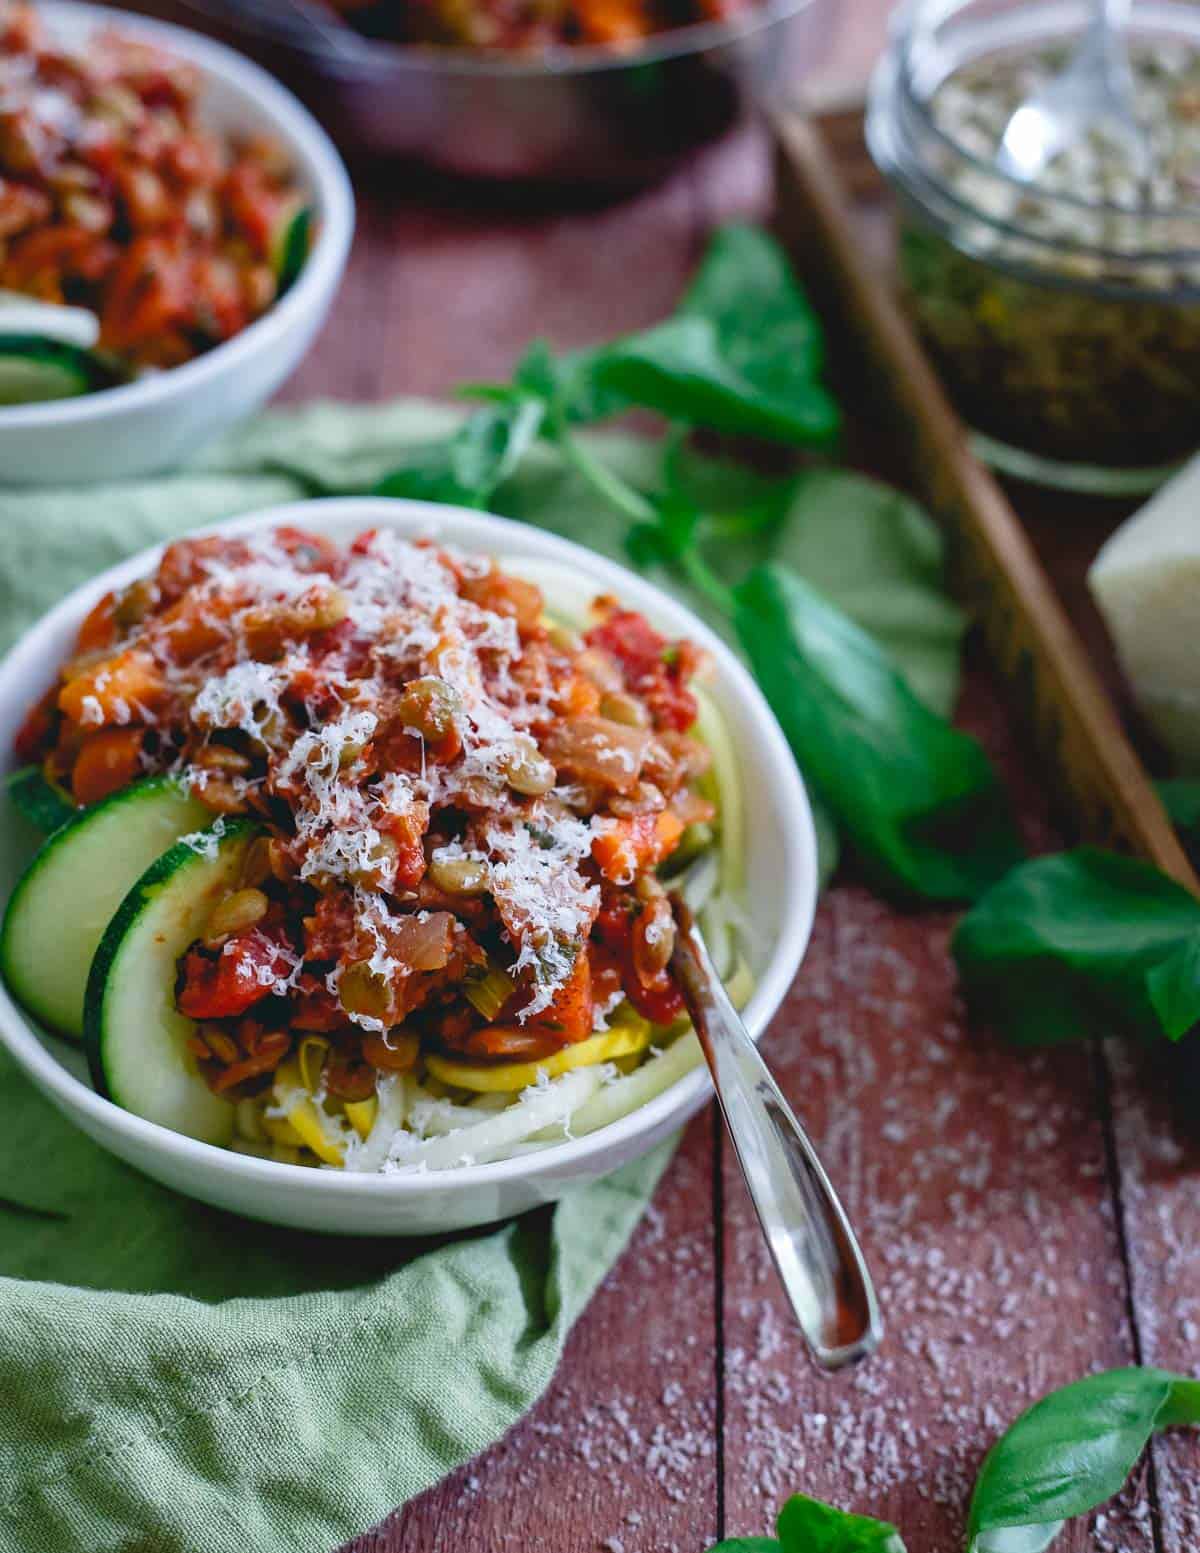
[(1093, 94), (818, 1258)]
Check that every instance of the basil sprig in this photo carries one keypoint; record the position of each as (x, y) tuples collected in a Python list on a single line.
[(917, 798), (1181, 800), (1071, 1452), (467, 467), (1065, 1456), (1081, 944), (743, 355), (808, 1526)]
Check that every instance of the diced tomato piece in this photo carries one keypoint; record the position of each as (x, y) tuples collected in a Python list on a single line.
[(632, 640), (657, 671), (408, 831), (308, 552), (661, 1002), (313, 1007), (671, 703), (216, 984)]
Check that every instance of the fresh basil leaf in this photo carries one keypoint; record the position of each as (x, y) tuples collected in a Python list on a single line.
[(1071, 1452), (917, 799), (746, 288), (868, 549), (680, 369), (343, 453), (808, 1526), (466, 468), (742, 354), (33, 1211), (567, 384), (1082, 944), (492, 444), (425, 474), (1182, 802)]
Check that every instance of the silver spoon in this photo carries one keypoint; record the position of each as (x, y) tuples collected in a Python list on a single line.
[(1094, 92), (818, 1259)]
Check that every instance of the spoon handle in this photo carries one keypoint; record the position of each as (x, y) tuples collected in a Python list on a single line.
[(819, 1261), (1106, 44)]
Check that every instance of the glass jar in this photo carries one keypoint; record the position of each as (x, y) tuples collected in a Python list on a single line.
[(1063, 317)]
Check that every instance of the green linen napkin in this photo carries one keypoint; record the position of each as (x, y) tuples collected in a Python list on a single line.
[(175, 1380)]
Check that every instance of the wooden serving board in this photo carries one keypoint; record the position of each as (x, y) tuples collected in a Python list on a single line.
[(1102, 789)]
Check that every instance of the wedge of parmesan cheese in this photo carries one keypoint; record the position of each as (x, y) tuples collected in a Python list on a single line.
[(1146, 581)]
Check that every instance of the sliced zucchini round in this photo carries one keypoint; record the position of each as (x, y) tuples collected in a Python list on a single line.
[(136, 1039), (45, 805), (35, 368), (29, 376), (66, 897), (291, 247)]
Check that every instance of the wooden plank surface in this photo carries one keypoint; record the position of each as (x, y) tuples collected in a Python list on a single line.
[(1029, 1217)]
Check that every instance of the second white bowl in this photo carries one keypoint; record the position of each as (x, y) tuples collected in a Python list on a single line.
[(153, 424)]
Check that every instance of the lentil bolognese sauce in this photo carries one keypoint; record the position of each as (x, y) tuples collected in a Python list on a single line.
[(459, 809)]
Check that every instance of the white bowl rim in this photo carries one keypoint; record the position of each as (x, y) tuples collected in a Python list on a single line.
[(293, 123), (798, 842)]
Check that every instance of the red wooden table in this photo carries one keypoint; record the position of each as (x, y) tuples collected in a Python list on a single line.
[(1028, 1217)]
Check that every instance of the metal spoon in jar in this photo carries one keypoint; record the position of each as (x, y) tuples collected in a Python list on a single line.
[(817, 1256), (1093, 93)]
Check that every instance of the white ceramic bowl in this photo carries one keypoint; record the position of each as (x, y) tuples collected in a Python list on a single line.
[(782, 887), (154, 423)]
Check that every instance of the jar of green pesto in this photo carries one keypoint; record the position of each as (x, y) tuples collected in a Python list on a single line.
[(1064, 317)]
